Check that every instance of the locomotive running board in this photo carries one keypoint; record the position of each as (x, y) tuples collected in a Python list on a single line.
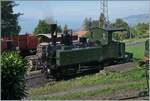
[(81, 70)]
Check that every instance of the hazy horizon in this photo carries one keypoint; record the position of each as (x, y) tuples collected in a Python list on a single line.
[(73, 13)]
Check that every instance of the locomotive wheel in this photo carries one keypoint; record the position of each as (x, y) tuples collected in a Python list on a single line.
[(57, 74)]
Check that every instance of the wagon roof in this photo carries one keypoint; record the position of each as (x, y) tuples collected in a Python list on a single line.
[(48, 35)]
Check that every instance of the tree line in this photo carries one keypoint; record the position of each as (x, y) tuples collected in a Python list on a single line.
[(139, 30), (10, 26), (9, 19), (43, 28)]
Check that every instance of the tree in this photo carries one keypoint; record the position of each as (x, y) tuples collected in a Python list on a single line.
[(43, 28), (119, 23), (13, 71), (9, 19), (142, 29), (95, 23), (87, 23)]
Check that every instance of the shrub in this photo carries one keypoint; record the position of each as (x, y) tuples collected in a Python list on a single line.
[(13, 70)]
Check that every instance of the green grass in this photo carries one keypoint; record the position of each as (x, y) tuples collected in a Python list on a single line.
[(138, 51), (89, 80), (78, 95)]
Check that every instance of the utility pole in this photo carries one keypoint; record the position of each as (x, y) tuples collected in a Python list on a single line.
[(104, 13)]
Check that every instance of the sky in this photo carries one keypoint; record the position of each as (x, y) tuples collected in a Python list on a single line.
[(73, 13)]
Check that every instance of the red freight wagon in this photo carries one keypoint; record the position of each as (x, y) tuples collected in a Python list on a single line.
[(15, 39), (32, 42), (22, 43), (25, 42)]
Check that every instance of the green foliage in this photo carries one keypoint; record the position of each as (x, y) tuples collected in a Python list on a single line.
[(95, 23), (9, 20), (87, 23), (119, 36), (119, 23), (88, 35), (43, 28), (13, 70), (141, 30)]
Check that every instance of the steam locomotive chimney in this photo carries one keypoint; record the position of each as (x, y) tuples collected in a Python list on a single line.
[(53, 30)]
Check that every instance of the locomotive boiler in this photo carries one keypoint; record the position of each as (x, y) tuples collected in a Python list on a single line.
[(65, 57)]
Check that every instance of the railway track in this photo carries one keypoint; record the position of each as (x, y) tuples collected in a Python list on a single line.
[(141, 95), (37, 79), (34, 77), (135, 98)]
